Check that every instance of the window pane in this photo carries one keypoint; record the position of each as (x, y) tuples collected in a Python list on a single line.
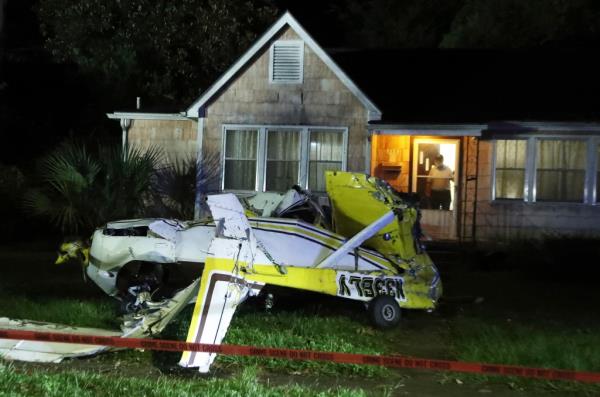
[(511, 153), (326, 153), (240, 159), (240, 174), (283, 159), (510, 184), (560, 169), (241, 144), (283, 145), (510, 168)]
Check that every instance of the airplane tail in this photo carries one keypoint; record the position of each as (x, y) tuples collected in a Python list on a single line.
[(223, 286)]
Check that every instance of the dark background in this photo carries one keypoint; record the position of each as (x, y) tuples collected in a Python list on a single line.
[(444, 68)]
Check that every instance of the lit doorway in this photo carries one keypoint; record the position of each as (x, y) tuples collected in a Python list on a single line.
[(436, 184)]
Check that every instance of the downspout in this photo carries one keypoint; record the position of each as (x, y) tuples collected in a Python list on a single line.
[(125, 124), (474, 226), (464, 203), (461, 187), (368, 148), (199, 164)]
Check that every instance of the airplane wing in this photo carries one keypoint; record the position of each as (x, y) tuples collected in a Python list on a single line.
[(136, 325), (223, 286)]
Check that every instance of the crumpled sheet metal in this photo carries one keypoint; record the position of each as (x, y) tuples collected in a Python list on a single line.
[(153, 320), (147, 323), (47, 352)]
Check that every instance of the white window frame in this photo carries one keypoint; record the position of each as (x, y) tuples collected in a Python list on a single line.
[(529, 188), (300, 46), (224, 154), (306, 148), (261, 155), (494, 163), (266, 153)]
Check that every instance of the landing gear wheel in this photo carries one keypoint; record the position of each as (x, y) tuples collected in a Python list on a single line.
[(384, 312)]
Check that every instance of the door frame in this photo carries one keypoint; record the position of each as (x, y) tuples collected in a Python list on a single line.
[(456, 169)]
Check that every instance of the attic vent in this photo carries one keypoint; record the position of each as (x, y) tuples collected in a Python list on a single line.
[(287, 61)]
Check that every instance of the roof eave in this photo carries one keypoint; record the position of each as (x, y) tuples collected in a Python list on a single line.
[(147, 116)]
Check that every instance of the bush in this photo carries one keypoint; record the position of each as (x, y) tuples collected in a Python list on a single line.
[(78, 190), (174, 186)]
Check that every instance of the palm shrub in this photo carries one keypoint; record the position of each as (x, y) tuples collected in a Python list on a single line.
[(79, 189), (126, 185), (175, 185), (68, 180)]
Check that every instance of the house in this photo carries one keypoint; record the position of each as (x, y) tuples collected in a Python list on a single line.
[(288, 110)]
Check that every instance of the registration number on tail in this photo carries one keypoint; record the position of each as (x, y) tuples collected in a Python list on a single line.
[(363, 287)]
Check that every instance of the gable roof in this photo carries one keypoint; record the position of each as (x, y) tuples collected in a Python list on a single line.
[(289, 20)]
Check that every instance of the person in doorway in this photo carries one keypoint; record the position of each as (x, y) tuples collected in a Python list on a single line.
[(438, 182)]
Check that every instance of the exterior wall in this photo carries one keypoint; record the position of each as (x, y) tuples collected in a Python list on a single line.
[(504, 220), (322, 100), (388, 152), (468, 185), (176, 138)]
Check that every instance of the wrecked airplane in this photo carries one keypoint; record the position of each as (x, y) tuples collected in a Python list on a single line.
[(366, 250)]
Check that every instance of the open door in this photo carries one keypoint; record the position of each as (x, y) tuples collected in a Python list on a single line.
[(435, 179)]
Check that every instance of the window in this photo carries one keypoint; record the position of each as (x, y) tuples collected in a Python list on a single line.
[(510, 168), (276, 158), (326, 153), (240, 159), (547, 169), (286, 65), (283, 159), (560, 170)]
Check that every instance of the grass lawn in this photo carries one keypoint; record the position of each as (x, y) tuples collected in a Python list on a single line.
[(528, 318), (527, 323), (82, 383), (524, 344)]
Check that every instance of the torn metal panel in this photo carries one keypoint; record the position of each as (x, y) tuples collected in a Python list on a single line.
[(167, 229), (228, 215), (150, 320), (358, 200), (153, 241), (153, 317), (270, 204), (263, 203), (47, 352)]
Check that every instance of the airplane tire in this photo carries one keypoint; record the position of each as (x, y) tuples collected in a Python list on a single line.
[(384, 312)]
